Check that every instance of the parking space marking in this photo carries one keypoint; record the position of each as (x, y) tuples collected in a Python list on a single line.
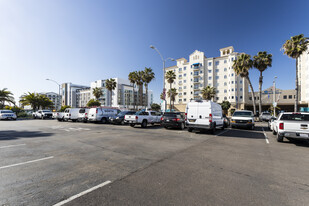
[(222, 132), (22, 163), (8, 146), (82, 193), (266, 138)]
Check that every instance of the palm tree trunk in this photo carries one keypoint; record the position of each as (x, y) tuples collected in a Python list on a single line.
[(252, 94), (170, 97), (296, 88), (260, 92)]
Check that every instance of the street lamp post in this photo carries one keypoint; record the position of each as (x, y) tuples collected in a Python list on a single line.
[(58, 90), (163, 60), (274, 95)]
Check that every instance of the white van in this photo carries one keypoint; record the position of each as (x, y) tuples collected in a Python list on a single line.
[(71, 114), (83, 115), (102, 115), (204, 114)]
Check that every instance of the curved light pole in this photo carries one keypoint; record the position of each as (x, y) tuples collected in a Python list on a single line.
[(163, 60), (58, 90)]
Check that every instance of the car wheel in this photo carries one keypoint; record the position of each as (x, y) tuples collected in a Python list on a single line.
[(59, 119), (274, 132), (165, 127), (73, 120), (103, 120), (122, 122), (279, 138), (213, 130), (182, 126), (132, 125), (42, 117), (252, 127), (190, 129), (144, 124)]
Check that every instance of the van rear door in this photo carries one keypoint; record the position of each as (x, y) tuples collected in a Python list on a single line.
[(204, 109), (192, 113)]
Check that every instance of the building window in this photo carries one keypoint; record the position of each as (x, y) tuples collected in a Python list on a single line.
[(240, 89), (217, 70), (201, 85), (232, 90), (217, 63), (180, 69), (225, 91), (240, 97), (217, 98), (184, 75), (232, 82), (184, 81), (209, 63), (209, 78), (185, 87), (180, 82), (225, 84), (225, 69), (180, 94), (290, 96), (232, 59), (209, 84), (240, 81), (232, 74), (284, 97), (179, 100), (201, 78), (225, 76), (201, 72), (225, 61), (225, 98), (209, 71), (180, 88), (232, 97), (180, 76), (217, 77), (250, 98), (185, 93)]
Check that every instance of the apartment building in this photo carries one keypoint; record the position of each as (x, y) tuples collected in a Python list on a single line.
[(54, 97), (303, 75), (69, 91), (194, 75), (122, 96)]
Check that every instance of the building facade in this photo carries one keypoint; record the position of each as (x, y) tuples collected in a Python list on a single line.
[(303, 77), (54, 97), (69, 91), (197, 73)]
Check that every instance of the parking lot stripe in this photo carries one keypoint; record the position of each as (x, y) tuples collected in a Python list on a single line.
[(22, 163), (82, 193), (222, 132), (8, 146), (266, 138)]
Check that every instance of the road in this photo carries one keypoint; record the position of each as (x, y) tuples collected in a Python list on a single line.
[(45, 162)]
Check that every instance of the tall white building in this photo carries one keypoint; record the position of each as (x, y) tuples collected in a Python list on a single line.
[(193, 75), (69, 93), (303, 75)]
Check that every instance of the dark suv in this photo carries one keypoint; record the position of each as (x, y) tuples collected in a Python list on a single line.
[(173, 120), (119, 119)]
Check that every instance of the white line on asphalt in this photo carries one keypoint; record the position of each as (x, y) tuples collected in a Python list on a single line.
[(82, 193), (222, 132), (15, 145), (266, 138), (22, 163)]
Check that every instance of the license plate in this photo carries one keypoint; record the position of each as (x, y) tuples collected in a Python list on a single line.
[(303, 135), (191, 120), (167, 120)]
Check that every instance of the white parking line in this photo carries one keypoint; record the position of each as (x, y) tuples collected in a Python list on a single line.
[(266, 138), (22, 163), (15, 145), (82, 193), (222, 132)]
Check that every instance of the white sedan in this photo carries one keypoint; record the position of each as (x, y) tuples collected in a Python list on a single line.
[(7, 114)]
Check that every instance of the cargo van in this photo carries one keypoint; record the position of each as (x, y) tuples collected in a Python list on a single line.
[(83, 115), (102, 115), (204, 115), (71, 114)]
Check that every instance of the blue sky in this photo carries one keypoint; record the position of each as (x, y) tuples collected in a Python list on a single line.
[(81, 41)]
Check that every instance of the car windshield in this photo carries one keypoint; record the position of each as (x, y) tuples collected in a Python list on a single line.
[(169, 114), (295, 117), (266, 114), (46, 111), (6, 112), (242, 114)]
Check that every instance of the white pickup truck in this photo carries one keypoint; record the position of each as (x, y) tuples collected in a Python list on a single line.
[(143, 118), (292, 126), (43, 114)]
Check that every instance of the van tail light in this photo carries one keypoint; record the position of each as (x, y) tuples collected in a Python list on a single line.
[(186, 116), (281, 126), (96, 110), (161, 118), (210, 117), (136, 117), (86, 114)]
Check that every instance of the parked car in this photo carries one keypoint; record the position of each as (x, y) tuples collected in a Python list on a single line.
[(119, 118), (143, 118), (43, 114), (60, 116), (101, 114), (292, 125), (7, 114), (71, 114), (83, 115), (271, 123), (243, 118), (204, 115), (265, 116), (173, 120)]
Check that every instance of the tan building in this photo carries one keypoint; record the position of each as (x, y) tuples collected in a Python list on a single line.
[(193, 75)]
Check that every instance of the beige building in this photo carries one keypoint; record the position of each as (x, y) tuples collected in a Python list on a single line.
[(193, 75), (303, 74)]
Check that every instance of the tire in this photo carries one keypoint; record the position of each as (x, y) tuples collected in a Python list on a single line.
[(74, 120), (42, 117), (279, 138), (223, 127), (132, 125), (213, 130), (103, 120), (165, 127), (274, 132), (122, 122), (59, 120), (144, 124), (182, 126), (252, 127), (190, 129)]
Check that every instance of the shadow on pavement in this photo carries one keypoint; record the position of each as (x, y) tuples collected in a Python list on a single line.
[(298, 142), (149, 127), (13, 134), (243, 133)]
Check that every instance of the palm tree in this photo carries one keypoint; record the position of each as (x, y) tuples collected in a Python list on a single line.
[(241, 66), (110, 85), (172, 93), (147, 77), (170, 76), (261, 61), (140, 83), (225, 106), (293, 48), (97, 92), (6, 96), (133, 78), (208, 92), (30, 99), (44, 102)]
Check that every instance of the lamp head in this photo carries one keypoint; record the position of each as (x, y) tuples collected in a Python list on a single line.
[(151, 46)]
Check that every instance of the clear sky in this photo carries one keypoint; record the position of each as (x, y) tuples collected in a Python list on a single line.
[(80, 41)]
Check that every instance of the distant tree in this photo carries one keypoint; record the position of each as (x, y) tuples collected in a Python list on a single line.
[(64, 107), (172, 93), (241, 66), (208, 93), (148, 76), (31, 99), (170, 76), (97, 92), (133, 79), (6, 96), (261, 61), (225, 106), (293, 48), (93, 103), (110, 85), (44, 102), (140, 83), (155, 107)]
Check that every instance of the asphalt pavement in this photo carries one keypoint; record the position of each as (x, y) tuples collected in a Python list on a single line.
[(45, 162)]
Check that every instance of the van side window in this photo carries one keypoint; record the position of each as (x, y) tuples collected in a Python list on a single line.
[(153, 113)]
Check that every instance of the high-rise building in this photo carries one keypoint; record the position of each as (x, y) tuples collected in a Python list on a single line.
[(69, 93), (197, 73)]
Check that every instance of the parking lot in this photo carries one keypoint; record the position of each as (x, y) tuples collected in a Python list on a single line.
[(46, 162)]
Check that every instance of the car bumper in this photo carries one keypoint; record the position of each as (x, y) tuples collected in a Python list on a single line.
[(7, 118), (130, 122), (199, 126), (296, 135), (171, 124), (242, 124), (115, 121)]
